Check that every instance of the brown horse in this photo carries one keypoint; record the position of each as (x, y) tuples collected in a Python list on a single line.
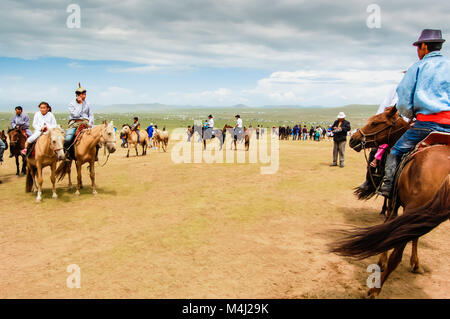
[(245, 137), (17, 140), (85, 150), (423, 191), (49, 148), (133, 141)]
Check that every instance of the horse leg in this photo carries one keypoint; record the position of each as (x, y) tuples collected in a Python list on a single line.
[(24, 166), (17, 166), (383, 210), (92, 171), (40, 179), (382, 261), (53, 179), (68, 173), (77, 193), (394, 259), (135, 148), (414, 261)]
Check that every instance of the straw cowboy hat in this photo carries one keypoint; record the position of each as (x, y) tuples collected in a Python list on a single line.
[(341, 115), (80, 90)]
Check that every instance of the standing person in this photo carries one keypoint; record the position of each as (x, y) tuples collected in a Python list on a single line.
[(311, 132), (80, 114), (340, 128), (257, 132), (150, 133), (423, 93), (305, 133), (43, 120), (21, 121), (123, 137), (324, 133), (2, 150)]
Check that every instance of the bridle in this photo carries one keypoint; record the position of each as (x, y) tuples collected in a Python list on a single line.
[(105, 142), (364, 141)]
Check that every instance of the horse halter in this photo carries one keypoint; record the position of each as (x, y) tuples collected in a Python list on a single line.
[(374, 134)]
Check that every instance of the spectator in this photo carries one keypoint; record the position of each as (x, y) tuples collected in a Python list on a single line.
[(340, 129)]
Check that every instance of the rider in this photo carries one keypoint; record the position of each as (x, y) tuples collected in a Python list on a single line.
[(42, 121), (423, 93), (21, 121), (136, 127), (238, 129), (209, 127), (80, 113)]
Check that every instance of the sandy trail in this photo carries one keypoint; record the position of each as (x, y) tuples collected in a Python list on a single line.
[(161, 230)]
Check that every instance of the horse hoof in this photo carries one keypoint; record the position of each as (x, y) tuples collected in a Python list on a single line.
[(55, 195), (38, 200), (416, 269), (94, 193), (77, 193), (373, 293)]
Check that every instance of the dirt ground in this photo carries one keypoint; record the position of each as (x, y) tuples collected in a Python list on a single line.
[(163, 230)]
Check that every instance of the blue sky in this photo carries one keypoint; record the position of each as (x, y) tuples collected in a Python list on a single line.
[(211, 53)]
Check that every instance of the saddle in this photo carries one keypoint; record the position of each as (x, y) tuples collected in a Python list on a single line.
[(78, 132)]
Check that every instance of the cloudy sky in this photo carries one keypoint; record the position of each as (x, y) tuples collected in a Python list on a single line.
[(212, 53)]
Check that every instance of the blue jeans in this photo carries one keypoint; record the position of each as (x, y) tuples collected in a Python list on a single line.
[(69, 136), (415, 134)]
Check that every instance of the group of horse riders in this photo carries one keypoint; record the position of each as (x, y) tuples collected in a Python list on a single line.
[(209, 127), (422, 98), (81, 114)]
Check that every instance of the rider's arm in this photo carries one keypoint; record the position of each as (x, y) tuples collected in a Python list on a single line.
[(13, 121), (405, 92)]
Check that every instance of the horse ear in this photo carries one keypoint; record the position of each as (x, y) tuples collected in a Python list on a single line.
[(105, 122), (393, 110)]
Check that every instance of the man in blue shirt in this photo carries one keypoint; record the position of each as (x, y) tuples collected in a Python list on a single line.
[(424, 94)]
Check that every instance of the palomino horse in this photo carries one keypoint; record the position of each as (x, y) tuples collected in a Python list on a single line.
[(17, 141), (423, 191), (161, 138), (49, 148), (133, 141), (85, 149)]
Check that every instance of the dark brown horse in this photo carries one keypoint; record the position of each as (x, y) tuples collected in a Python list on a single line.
[(17, 140), (423, 191)]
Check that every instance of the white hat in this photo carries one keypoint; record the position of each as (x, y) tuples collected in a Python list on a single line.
[(341, 115), (151, 124)]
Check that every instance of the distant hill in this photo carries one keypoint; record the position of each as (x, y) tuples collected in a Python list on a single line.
[(158, 107)]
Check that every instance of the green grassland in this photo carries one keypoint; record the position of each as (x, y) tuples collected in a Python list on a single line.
[(182, 117)]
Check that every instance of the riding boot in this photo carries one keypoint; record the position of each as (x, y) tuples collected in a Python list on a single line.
[(368, 182), (392, 162)]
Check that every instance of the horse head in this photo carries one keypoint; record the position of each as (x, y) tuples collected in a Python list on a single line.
[(383, 128), (56, 136), (108, 136)]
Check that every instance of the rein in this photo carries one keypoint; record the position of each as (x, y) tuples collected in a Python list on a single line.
[(374, 140)]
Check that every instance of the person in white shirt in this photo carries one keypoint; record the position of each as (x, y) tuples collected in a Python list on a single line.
[(80, 114), (238, 130), (43, 120), (209, 127)]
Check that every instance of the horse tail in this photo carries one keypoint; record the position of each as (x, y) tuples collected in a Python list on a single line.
[(62, 170), (369, 241), (30, 181)]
